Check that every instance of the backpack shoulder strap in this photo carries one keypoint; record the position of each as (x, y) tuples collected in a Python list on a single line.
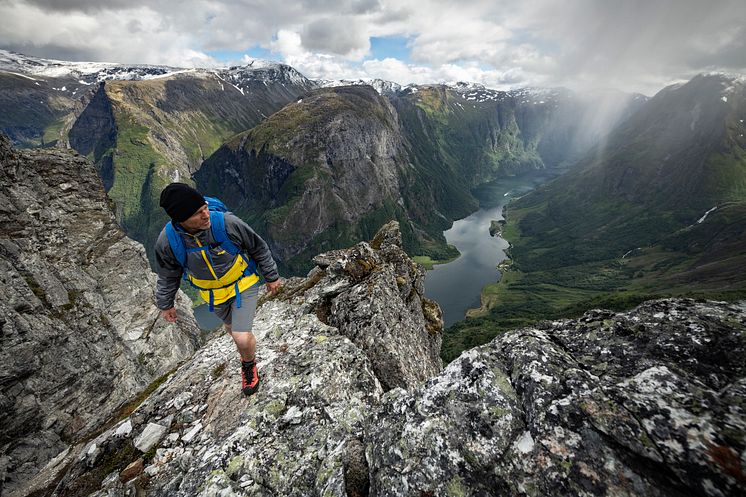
[(177, 244), (217, 222), (215, 204)]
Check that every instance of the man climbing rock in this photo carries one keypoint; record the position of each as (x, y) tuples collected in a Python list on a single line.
[(217, 253)]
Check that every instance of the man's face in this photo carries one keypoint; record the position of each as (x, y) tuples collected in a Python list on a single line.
[(200, 220)]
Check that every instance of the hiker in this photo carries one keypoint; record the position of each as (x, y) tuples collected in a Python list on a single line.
[(218, 254)]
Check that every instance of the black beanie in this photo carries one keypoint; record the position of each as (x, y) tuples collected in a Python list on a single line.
[(181, 201)]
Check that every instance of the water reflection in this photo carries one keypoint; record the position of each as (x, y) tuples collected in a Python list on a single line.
[(457, 285)]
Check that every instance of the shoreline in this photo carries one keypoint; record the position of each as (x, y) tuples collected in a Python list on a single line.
[(488, 299)]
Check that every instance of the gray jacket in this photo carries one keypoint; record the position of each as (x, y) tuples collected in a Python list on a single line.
[(170, 272)]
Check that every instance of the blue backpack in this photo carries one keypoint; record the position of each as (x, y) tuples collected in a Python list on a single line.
[(217, 227)]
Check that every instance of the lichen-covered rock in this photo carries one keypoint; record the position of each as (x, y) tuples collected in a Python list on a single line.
[(79, 334), (288, 439), (646, 403), (385, 316), (353, 401)]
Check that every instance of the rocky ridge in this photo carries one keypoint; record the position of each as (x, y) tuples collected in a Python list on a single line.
[(79, 335), (323, 366), (649, 402)]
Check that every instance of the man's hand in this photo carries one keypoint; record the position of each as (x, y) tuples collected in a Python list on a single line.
[(169, 315), (273, 287)]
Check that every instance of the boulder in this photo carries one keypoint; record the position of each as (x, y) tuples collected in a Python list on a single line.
[(150, 436)]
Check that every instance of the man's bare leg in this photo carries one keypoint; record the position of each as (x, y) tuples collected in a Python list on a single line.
[(245, 343)]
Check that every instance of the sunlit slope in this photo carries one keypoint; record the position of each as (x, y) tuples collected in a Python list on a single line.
[(143, 135), (324, 172)]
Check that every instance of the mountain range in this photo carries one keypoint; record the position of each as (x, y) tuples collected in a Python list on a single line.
[(101, 397), (145, 126), (317, 165)]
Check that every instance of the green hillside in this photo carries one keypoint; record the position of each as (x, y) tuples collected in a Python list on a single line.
[(145, 134), (623, 226), (323, 172)]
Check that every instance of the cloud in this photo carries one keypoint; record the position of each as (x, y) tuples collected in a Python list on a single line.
[(83, 5), (396, 70), (633, 45), (337, 35), (314, 65), (621, 42)]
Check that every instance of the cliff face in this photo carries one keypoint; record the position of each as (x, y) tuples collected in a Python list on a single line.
[(650, 402), (321, 173), (144, 134), (79, 335)]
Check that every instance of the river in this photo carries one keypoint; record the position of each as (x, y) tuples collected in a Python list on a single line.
[(457, 285)]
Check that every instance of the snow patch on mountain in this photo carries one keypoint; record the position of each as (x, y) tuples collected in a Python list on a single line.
[(88, 73), (383, 87), (83, 72)]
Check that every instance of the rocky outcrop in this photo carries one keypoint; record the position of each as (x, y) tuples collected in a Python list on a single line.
[(398, 329), (301, 434), (79, 334), (645, 403), (650, 402)]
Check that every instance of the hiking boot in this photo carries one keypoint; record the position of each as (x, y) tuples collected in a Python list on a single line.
[(249, 377)]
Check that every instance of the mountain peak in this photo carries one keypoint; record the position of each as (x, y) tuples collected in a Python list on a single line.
[(86, 72), (383, 87)]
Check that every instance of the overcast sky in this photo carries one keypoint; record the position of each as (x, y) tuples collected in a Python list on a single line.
[(633, 45)]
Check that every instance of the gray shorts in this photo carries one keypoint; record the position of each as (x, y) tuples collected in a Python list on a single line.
[(239, 318)]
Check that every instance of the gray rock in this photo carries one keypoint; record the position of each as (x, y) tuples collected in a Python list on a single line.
[(123, 429), (80, 334), (189, 436), (644, 403), (374, 294), (150, 436)]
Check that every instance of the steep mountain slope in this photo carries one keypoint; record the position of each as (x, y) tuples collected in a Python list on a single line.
[(438, 142), (321, 173), (658, 210), (79, 333)]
